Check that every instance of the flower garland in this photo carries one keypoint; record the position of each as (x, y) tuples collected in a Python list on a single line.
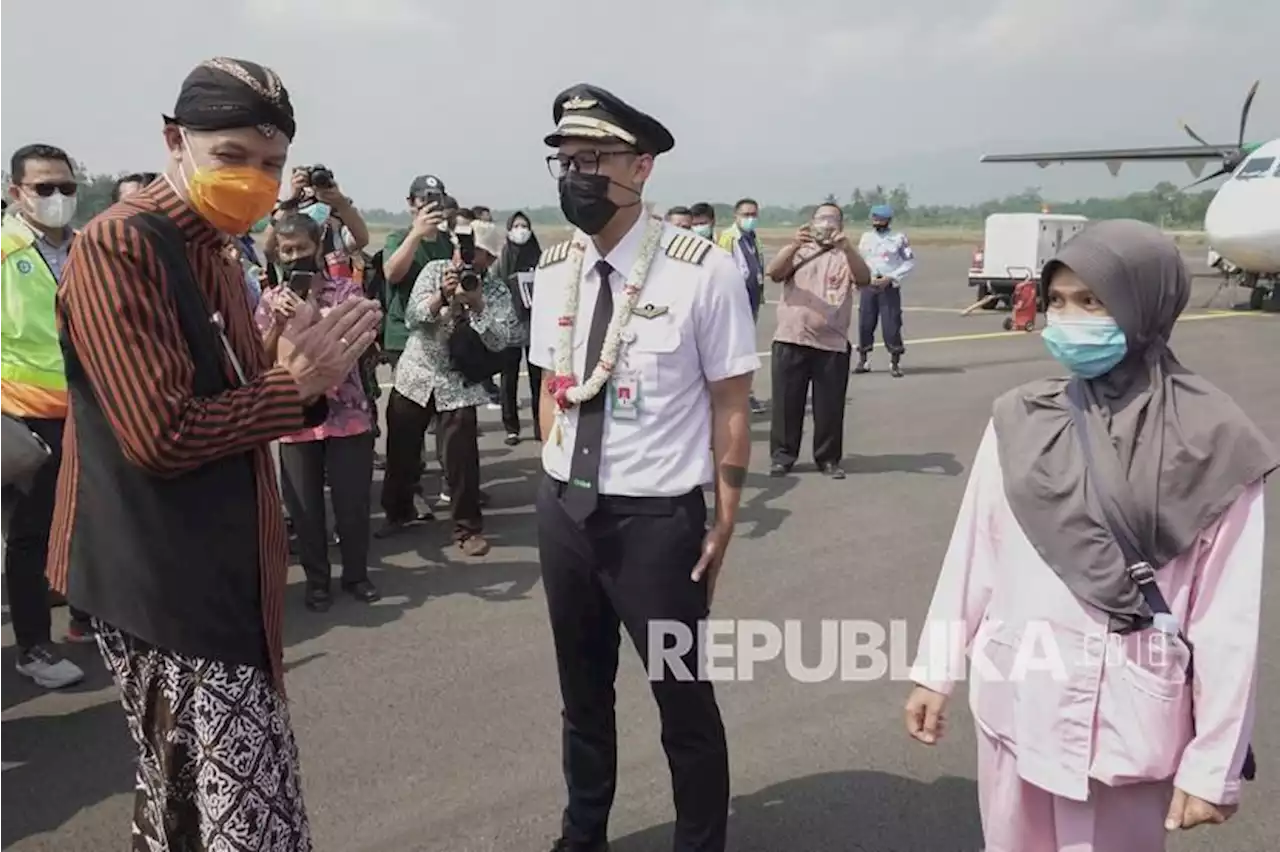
[(564, 385)]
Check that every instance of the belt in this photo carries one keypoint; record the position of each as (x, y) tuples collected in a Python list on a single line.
[(617, 504)]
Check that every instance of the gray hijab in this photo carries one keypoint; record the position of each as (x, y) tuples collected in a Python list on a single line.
[(1187, 449)]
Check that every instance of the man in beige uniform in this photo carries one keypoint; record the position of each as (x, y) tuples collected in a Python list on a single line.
[(819, 271)]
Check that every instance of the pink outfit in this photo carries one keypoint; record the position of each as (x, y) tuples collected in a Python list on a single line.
[(1081, 731), (349, 410)]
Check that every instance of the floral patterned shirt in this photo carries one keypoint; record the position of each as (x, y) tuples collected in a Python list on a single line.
[(349, 409), (424, 368)]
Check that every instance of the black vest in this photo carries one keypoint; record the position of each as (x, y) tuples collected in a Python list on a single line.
[(173, 561)]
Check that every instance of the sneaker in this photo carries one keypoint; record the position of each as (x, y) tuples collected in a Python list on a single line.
[(862, 367), (47, 668), (473, 545), (778, 469), (512, 439), (757, 407), (81, 632), (895, 370), (834, 471), (494, 406)]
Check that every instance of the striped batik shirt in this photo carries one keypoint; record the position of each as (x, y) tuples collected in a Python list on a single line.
[(127, 335)]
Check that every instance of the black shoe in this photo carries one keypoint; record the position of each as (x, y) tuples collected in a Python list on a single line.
[(834, 471), (512, 439), (363, 591), (895, 370), (390, 528), (563, 845), (318, 599), (779, 469), (862, 367)]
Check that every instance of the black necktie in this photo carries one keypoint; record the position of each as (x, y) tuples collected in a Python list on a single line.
[(583, 491)]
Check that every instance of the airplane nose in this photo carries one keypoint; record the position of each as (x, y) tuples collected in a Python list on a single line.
[(1241, 231)]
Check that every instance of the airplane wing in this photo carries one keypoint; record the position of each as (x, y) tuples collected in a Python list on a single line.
[(1194, 156)]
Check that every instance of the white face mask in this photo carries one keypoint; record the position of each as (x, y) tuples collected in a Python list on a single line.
[(53, 211), (519, 235)]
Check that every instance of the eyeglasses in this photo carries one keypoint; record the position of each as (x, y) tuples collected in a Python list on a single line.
[(584, 162), (44, 190)]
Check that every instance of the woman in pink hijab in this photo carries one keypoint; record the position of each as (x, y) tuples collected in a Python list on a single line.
[(1111, 534)]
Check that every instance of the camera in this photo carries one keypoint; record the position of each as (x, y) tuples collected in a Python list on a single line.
[(468, 276), (319, 176)]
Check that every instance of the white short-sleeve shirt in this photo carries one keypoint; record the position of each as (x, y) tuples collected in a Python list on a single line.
[(705, 334)]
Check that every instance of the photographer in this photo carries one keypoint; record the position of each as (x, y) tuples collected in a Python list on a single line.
[(408, 251), (460, 318), (317, 194)]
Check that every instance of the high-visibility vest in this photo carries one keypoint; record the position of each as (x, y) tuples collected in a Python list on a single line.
[(33, 381)]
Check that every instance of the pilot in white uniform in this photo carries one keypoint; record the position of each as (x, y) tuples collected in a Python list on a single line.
[(659, 320)]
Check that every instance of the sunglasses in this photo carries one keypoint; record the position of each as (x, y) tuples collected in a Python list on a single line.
[(44, 190)]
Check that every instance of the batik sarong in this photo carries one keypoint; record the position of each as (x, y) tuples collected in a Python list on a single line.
[(218, 765)]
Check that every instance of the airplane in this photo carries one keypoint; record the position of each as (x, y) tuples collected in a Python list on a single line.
[(1243, 218)]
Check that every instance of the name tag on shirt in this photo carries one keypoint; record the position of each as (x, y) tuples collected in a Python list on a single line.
[(624, 390)]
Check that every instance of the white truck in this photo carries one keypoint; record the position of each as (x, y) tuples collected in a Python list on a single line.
[(1015, 247)]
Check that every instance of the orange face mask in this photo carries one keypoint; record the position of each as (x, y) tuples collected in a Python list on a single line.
[(233, 200)]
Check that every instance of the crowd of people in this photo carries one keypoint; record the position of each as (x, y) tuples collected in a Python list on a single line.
[(184, 379)]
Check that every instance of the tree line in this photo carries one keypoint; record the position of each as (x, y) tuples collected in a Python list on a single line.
[(1164, 205)]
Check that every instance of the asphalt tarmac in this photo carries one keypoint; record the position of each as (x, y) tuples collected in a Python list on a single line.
[(430, 721)]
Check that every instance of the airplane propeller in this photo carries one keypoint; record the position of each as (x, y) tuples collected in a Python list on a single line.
[(1230, 159)]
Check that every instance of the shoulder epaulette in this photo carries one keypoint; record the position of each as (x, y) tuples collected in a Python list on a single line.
[(555, 254), (689, 248)]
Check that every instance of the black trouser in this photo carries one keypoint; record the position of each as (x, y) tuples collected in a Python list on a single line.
[(347, 465), (795, 368), (884, 306), (631, 566), (29, 520), (457, 446), (510, 387)]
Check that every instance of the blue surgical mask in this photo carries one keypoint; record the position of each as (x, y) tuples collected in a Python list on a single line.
[(702, 231), (1087, 346), (747, 223), (319, 212)]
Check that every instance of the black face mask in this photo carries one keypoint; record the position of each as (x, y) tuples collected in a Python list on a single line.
[(302, 264), (584, 200)]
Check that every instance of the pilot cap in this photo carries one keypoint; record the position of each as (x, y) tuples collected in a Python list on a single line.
[(584, 111)]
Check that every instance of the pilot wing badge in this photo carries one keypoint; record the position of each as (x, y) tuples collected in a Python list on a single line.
[(650, 311)]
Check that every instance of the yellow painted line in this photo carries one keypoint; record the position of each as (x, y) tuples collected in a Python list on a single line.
[(995, 335)]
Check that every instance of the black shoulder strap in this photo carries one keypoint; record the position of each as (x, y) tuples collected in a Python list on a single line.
[(1138, 566), (1140, 569), (194, 317), (808, 260)]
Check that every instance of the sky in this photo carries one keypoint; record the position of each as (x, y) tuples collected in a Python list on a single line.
[(785, 101)]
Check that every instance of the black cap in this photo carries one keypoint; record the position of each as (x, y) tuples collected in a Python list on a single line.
[(426, 185), (224, 94), (589, 112)]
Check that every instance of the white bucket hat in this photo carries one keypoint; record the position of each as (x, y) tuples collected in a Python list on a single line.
[(489, 237)]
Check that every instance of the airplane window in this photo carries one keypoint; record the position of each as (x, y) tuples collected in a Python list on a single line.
[(1257, 167)]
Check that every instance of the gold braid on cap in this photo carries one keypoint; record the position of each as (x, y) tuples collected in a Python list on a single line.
[(272, 91)]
